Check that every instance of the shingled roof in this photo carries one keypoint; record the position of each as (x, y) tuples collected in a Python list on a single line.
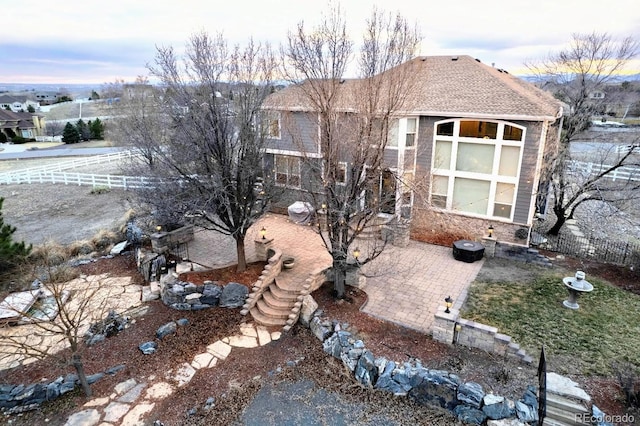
[(450, 86)]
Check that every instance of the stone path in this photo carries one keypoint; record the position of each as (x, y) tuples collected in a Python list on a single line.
[(132, 399)]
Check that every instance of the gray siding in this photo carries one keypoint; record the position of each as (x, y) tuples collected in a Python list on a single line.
[(298, 132), (527, 171)]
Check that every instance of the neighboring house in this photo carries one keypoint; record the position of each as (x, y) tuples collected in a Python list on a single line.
[(17, 103), (21, 124), (467, 147), (48, 98)]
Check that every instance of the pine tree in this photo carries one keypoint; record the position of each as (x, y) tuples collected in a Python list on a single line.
[(96, 128), (83, 130), (10, 251), (70, 134)]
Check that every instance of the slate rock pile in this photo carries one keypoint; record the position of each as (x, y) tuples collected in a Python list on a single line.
[(21, 398), (186, 296), (108, 327), (432, 388)]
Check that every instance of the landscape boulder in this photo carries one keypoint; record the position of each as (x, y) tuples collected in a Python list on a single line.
[(233, 295), (471, 394), (166, 329), (469, 415)]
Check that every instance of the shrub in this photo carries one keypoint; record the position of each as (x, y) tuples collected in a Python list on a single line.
[(18, 140), (79, 248), (104, 239), (97, 190), (50, 254)]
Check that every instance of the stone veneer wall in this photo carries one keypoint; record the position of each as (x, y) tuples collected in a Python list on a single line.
[(451, 329), (435, 227), (162, 242)]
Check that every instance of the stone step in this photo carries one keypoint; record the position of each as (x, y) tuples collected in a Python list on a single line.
[(565, 404), (293, 286), (265, 320), (276, 303), (281, 294), (272, 312), (551, 422), (564, 417)]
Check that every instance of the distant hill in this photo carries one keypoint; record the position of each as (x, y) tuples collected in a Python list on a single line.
[(75, 90)]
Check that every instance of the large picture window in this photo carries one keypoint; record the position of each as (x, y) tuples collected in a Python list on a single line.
[(287, 170), (475, 167)]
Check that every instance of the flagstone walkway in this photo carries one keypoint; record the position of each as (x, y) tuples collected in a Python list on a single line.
[(132, 399)]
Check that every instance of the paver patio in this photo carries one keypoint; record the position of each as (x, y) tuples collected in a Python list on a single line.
[(404, 285)]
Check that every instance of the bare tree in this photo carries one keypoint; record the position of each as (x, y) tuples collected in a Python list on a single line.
[(204, 146), (574, 75), (138, 121), (355, 118), (56, 330)]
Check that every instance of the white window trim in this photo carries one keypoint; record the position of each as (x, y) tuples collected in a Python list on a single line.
[(287, 185), (401, 143), (492, 178)]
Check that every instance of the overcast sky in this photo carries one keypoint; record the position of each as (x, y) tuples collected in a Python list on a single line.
[(93, 41)]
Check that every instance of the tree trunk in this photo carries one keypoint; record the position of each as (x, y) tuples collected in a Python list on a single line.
[(339, 276), (76, 360), (242, 259), (560, 220)]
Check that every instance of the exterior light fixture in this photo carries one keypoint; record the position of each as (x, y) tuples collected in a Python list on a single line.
[(263, 232), (356, 253), (490, 230), (158, 228), (324, 206), (448, 303)]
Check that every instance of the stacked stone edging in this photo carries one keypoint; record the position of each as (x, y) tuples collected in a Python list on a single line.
[(449, 328), (271, 270), (432, 388), (20, 398), (521, 253)]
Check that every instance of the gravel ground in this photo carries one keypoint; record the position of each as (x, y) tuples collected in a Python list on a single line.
[(62, 213)]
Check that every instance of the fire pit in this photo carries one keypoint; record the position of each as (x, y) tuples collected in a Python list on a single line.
[(467, 251), (576, 286)]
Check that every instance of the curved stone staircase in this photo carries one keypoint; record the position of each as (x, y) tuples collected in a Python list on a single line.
[(276, 298)]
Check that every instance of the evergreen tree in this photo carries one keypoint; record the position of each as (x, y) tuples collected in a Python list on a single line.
[(83, 130), (10, 251), (70, 134), (96, 129), (31, 109)]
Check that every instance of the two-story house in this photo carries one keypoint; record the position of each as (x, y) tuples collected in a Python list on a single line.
[(22, 124), (464, 152), (17, 103)]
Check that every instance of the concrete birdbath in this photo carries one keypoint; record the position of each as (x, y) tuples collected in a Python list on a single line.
[(576, 286)]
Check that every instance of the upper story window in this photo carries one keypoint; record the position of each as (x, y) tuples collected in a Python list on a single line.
[(411, 132), (287, 170), (272, 125), (475, 167), (403, 132)]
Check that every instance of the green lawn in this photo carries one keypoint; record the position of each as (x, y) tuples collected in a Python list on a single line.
[(605, 328)]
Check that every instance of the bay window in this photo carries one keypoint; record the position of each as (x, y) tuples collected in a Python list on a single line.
[(475, 167)]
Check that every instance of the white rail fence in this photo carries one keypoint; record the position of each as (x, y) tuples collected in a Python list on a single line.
[(22, 175), (627, 173), (88, 179)]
